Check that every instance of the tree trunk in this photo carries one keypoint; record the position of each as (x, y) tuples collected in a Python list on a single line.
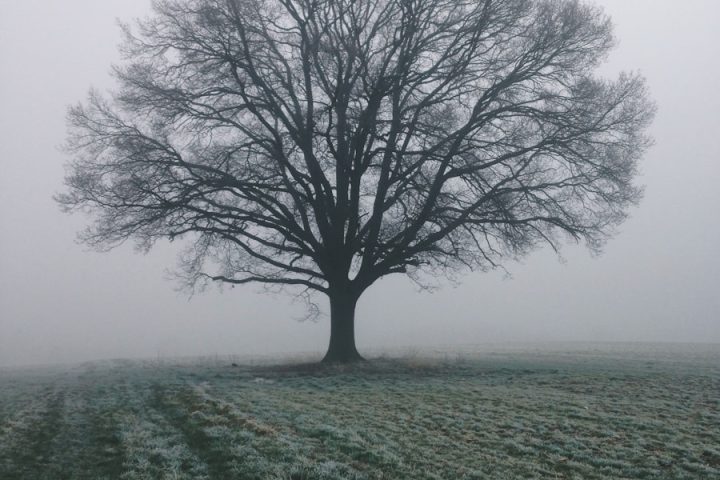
[(342, 328)]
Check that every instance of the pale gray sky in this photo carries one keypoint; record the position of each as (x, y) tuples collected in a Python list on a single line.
[(658, 280)]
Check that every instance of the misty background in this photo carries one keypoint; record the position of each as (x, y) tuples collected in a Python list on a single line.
[(658, 280)]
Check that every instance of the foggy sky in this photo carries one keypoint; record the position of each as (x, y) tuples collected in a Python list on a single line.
[(658, 280)]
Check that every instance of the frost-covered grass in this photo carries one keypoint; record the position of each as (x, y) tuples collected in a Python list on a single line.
[(587, 412)]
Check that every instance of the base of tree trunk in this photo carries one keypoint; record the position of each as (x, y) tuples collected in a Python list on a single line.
[(342, 357)]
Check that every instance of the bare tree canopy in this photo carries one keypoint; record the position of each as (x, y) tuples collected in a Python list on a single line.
[(326, 143)]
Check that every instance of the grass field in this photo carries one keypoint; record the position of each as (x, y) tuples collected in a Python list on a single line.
[(585, 412)]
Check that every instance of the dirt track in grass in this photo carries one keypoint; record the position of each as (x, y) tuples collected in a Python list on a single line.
[(587, 412)]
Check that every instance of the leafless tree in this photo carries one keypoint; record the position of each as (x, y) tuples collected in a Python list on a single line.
[(324, 144)]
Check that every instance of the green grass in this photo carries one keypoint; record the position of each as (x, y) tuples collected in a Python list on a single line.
[(590, 413)]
